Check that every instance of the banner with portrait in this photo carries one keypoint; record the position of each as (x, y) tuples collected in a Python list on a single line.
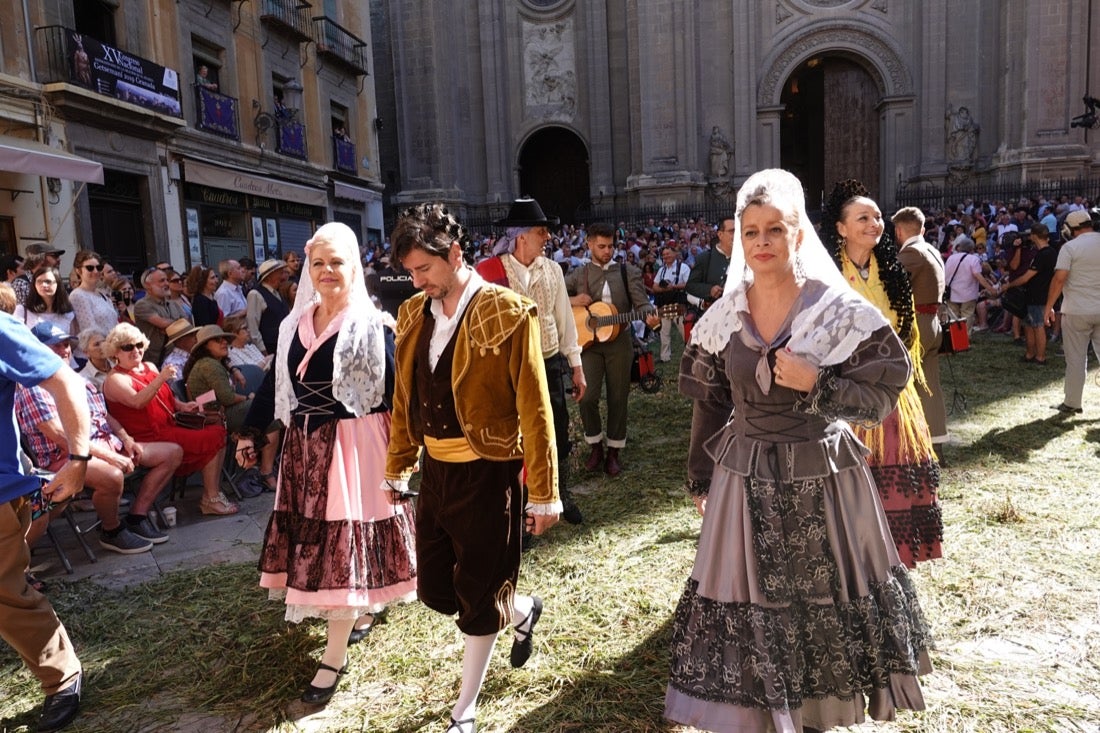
[(115, 73)]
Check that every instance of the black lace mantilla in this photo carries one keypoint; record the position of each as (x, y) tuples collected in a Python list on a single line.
[(775, 658)]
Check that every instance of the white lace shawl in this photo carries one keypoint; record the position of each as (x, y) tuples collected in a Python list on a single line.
[(824, 333)]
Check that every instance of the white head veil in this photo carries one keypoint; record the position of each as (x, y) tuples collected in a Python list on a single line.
[(359, 361), (827, 331)]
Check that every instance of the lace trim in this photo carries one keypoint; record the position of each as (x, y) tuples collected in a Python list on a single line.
[(776, 658), (296, 614), (820, 401)]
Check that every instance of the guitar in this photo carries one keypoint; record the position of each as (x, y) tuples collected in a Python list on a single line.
[(599, 322)]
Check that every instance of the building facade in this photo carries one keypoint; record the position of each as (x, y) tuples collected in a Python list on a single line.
[(222, 128), (583, 103)]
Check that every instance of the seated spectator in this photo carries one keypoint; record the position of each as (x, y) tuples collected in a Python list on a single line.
[(208, 371), (140, 398), (98, 367), (242, 350), (181, 339), (155, 312), (47, 300), (114, 455), (7, 298), (202, 283), (177, 293)]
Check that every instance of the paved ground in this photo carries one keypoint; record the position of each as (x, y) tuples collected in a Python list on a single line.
[(196, 541)]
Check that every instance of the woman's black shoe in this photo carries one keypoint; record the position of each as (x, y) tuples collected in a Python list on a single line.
[(521, 650), (357, 635), (320, 695)]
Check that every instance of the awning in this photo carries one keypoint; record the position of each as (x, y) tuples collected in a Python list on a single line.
[(20, 155), (228, 179), (355, 193)]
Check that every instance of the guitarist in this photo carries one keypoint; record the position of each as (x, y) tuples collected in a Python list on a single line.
[(602, 279), (519, 263)]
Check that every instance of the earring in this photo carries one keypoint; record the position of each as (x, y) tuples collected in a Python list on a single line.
[(799, 272)]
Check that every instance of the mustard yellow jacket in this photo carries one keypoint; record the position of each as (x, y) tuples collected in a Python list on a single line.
[(499, 385)]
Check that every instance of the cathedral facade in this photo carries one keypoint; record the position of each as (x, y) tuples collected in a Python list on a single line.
[(672, 103)]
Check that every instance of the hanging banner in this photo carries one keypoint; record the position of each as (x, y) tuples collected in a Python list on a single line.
[(121, 75)]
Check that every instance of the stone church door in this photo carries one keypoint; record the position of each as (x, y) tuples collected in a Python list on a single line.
[(830, 127), (553, 169)]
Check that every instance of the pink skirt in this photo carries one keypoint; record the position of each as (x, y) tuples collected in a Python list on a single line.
[(335, 547)]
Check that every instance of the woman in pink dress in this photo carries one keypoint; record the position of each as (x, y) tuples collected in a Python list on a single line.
[(335, 548)]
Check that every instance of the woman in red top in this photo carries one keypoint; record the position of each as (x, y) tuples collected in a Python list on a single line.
[(140, 398)]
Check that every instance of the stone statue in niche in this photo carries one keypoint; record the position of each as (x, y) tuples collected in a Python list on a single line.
[(962, 136), (720, 153)]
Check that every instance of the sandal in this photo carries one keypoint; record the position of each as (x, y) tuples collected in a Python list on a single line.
[(218, 504), (459, 726)]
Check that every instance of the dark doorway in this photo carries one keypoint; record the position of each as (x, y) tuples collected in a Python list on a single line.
[(118, 229), (553, 169), (830, 127)]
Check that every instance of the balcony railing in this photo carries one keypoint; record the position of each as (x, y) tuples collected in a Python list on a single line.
[(289, 16), (290, 139), (66, 56), (343, 152), (338, 44), (217, 113)]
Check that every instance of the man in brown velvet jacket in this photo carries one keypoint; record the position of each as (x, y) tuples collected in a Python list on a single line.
[(471, 390)]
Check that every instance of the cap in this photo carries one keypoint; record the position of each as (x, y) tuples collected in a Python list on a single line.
[(50, 334), (43, 248), (1079, 218)]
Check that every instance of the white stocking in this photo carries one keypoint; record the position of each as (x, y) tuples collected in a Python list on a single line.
[(475, 663), (336, 650), (521, 612)]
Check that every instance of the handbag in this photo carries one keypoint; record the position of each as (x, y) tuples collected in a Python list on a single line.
[(946, 297), (189, 420), (1014, 300)]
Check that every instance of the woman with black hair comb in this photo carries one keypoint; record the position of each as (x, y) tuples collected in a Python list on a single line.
[(902, 459)]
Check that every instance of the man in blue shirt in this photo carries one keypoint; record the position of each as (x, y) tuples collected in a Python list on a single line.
[(27, 621)]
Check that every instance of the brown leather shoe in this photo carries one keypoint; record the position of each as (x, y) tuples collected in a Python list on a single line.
[(595, 458), (611, 466)]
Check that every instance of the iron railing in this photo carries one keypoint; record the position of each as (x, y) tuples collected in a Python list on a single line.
[(289, 16), (933, 198), (343, 156), (338, 43)]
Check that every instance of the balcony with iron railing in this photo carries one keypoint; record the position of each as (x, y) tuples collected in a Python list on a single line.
[(217, 113), (290, 138), (337, 43), (343, 154), (289, 16)]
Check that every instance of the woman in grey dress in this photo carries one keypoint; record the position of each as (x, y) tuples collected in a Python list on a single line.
[(798, 615)]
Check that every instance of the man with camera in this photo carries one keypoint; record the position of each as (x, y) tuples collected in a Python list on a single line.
[(669, 288)]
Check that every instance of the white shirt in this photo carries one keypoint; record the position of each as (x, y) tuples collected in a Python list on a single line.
[(230, 298), (675, 275), (445, 326), (1081, 292)]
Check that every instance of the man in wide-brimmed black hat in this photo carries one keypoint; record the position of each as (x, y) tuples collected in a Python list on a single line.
[(520, 264)]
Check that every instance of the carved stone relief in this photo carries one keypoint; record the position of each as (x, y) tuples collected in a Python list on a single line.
[(549, 69)]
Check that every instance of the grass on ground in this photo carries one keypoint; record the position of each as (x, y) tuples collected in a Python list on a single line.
[(1014, 603)]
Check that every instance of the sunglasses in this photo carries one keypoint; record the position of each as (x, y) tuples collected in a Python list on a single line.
[(176, 280), (93, 268), (130, 347)]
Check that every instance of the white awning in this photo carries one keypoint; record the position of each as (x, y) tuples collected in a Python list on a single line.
[(355, 193), (229, 179), (20, 155)]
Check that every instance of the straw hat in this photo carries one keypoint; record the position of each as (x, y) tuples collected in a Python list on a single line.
[(269, 266), (177, 329)]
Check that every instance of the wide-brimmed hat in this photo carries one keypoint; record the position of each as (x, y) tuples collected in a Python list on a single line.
[(269, 266), (526, 212), (208, 333), (50, 334), (177, 329), (42, 248)]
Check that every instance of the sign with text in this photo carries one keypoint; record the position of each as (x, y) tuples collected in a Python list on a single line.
[(115, 73)]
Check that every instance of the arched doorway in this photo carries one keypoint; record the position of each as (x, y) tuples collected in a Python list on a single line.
[(553, 169), (830, 125)]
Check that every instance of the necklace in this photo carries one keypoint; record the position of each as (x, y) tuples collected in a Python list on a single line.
[(865, 271)]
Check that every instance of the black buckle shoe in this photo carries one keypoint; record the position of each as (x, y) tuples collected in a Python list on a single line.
[(570, 512), (357, 635), (321, 695), (521, 650), (61, 707)]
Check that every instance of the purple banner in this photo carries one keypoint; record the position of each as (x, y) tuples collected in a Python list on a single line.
[(345, 155), (117, 74), (292, 139), (217, 113)]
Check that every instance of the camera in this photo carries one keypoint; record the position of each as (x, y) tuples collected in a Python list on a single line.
[(663, 283)]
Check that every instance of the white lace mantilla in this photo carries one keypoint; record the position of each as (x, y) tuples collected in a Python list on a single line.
[(824, 333)]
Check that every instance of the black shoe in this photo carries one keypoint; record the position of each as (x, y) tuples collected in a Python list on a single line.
[(358, 634), (460, 726), (571, 512), (321, 695), (61, 707), (521, 650), (144, 529), (1066, 409)]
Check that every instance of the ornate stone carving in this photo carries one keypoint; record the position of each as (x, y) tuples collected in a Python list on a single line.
[(860, 40), (960, 139), (720, 153), (781, 13), (550, 78), (880, 5)]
